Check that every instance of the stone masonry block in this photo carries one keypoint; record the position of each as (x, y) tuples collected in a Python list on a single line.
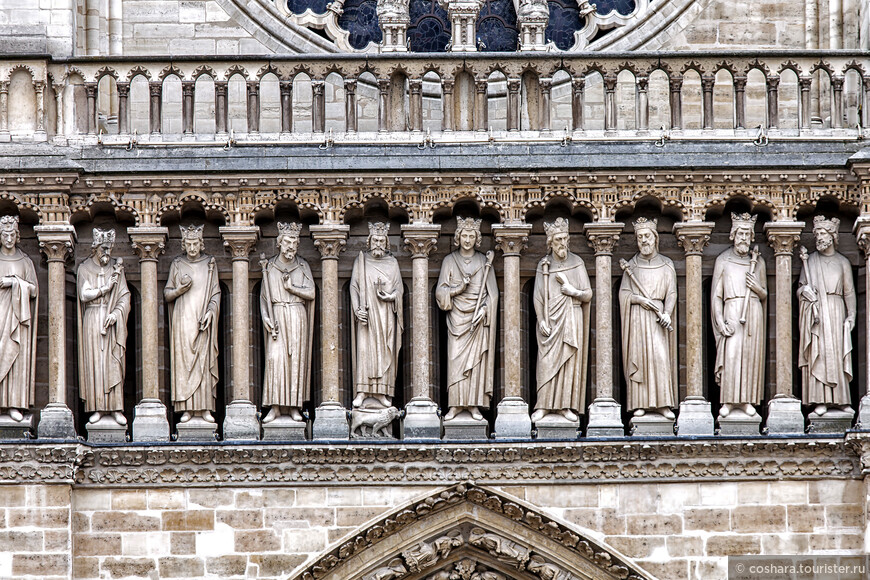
[(635, 547), (92, 499), (190, 520), (226, 565), (257, 541), (317, 517), (40, 564), (173, 567), (210, 498), (304, 541), (182, 543), (805, 518), (21, 541), (86, 567), (129, 499), (711, 520), (344, 496), (844, 516), (683, 546), (97, 544), (277, 564), (123, 567), (124, 522), (48, 496), (165, 499), (240, 519), (57, 540), (356, 516), (733, 545), (654, 525), (758, 519), (38, 517), (13, 496), (567, 496)]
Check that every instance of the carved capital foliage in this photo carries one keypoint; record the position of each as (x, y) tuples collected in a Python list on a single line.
[(148, 242), (693, 237), (56, 242), (862, 234), (603, 237), (330, 240), (240, 240), (511, 239), (420, 239), (782, 236)]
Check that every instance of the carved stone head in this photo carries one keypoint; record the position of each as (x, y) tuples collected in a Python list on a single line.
[(647, 237), (465, 228), (101, 247), (826, 232), (378, 241), (191, 241), (9, 232), (288, 239)]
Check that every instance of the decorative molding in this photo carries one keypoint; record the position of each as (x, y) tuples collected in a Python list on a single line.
[(420, 239), (693, 237), (330, 240), (511, 239), (782, 236), (603, 237), (240, 240), (148, 242)]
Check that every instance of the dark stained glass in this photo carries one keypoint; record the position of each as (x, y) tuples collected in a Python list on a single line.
[(360, 18), (564, 21), (300, 6), (430, 27), (497, 27), (624, 7)]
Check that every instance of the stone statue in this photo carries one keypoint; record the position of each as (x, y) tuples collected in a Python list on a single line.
[(826, 292), (376, 302), (502, 549), (426, 554), (467, 291), (562, 297), (194, 297), (648, 301), (103, 308), (739, 298), (394, 569), (287, 308), (393, 10), (18, 307)]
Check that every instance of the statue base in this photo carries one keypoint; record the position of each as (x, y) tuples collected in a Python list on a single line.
[(555, 426), (284, 428), (422, 420), (197, 429), (784, 416), (149, 421), (106, 430), (241, 422), (463, 426), (863, 422), (12, 429), (330, 421), (512, 419), (695, 418), (651, 425), (739, 424), (834, 421), (605, 419), (373, 422), (56, 422)]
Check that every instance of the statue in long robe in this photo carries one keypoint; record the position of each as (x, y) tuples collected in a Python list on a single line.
[(648, 302), (562, 298), (18, 307), (826, 292), (739, 298), (194, 297), (103, 307), (287, 307), (376, 302), (468, 292)]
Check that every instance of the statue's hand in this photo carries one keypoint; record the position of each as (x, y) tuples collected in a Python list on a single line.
[(362, 315), (186, 283), (6, 282), (479, 316), (727, 329), (809, 294), (665, 320), (206, 321), (545, 328), (569, 290), (111, 319), (850, 323), (386, 297), (753, 284)]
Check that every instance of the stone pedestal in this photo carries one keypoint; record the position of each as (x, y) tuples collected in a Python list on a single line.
[(56, 422), (241, 422), (695, 418), (12, 429), (863, 422), (284, 428), (422, 420), (373, 423), (330, 422), (605, 419), (784, 416), (739, 424), (834, 421), (555, 426), (197, 429), (106, 430), (464, 427), (150, 423), (651, 425), (512, 419)]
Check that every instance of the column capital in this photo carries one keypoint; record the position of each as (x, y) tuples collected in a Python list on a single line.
[(330, 239), (240, 240), (862, 234), (420, 239), (693, 236), (148, 241), (56, 241), (511, 239), (782, 236), (603, 236)]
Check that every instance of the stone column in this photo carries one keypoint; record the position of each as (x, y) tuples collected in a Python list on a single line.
[(784, 410), (330, 421), (695, 417), (422, 420), (57, 243), (150, 422), (862, 233), (605, 414), (4, 111), (512, 419), (39, 87), (241, 418)]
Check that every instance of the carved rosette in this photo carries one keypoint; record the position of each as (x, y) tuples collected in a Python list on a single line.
[(330, 240), (240, 240), (603, 237), (693, 237), (511, 239), (420, 240), (148, 242), (782, 236)]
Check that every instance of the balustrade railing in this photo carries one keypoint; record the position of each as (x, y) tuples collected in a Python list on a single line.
[(430, 98)]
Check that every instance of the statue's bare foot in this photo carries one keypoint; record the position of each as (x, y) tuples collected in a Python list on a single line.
[(666, 412), (570, 415), (639, 412), (384, 400), (273, 414), (92, 419), (16, 415), (451, 413), (821, 409), (749, 410), (206, 415), (358, 400), (725, 410), (296, 414), (475, 413), (185, 417), (119, 418), (538, 415)]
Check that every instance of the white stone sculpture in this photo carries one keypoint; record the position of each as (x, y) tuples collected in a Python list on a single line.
[(426, 554), (826, 293), (739, 298), (562, 299), (468, 292), (103, 308), (287, 308), (376, 302), (501, 548), (648, 300), (193, 294), (394, 569), (18, 308)]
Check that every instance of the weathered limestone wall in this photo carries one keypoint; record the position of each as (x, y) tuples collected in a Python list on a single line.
[(673, 530)]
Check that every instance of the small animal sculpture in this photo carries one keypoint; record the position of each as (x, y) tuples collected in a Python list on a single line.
[(376, 421)]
